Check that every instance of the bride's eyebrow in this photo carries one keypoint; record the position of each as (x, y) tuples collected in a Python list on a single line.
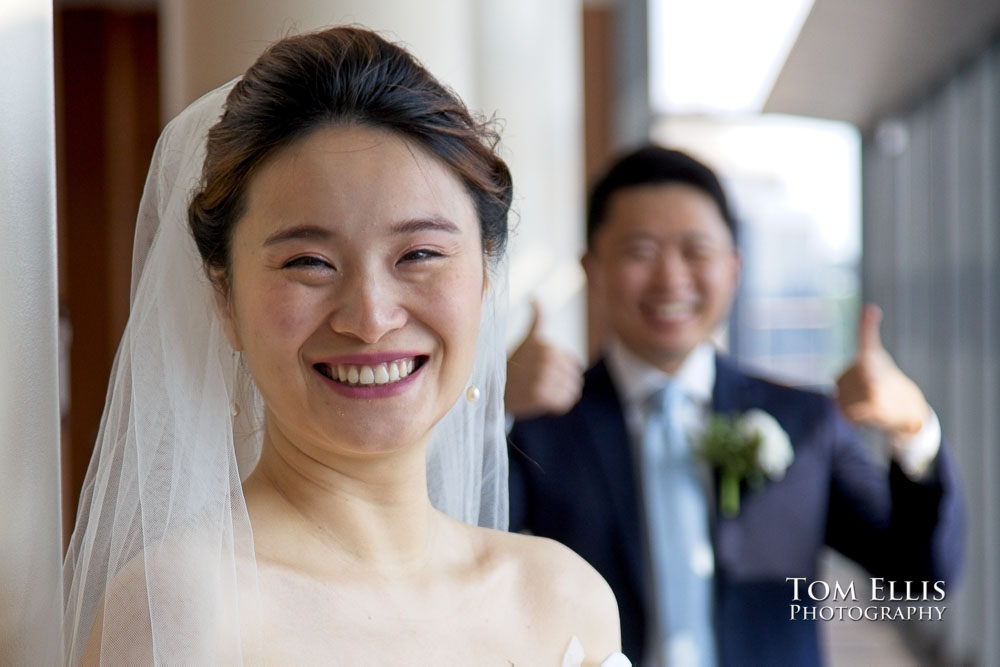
[(432, 223), (297, 233), (318, 233)]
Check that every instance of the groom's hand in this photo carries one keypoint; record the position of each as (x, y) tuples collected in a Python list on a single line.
[(872, 391), (541, 377)]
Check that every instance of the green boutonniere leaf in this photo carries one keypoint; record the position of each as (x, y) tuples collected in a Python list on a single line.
[(744, 448)]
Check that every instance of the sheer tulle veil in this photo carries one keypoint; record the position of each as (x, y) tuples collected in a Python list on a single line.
[(162, 552)]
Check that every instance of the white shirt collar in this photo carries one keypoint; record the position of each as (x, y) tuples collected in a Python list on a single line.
[(636, 379)]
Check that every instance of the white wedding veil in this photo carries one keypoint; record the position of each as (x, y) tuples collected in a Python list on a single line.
[(162, 554)]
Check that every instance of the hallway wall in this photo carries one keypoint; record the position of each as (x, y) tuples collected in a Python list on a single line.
[(931, 209)]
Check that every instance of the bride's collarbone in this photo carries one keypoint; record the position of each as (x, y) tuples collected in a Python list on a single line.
[(366, 630), (484, 605)]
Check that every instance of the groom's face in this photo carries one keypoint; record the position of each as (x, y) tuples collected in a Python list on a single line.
[(666, 268)]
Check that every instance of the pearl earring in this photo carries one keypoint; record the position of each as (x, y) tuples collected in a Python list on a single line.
[(472, 393)]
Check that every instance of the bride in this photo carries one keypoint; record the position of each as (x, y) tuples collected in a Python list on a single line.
[(304, 422)]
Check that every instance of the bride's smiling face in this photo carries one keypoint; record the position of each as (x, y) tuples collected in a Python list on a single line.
[(356, 285)]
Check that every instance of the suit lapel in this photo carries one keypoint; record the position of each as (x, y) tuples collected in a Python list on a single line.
[(728, 395), (604, 424), (733, 393)]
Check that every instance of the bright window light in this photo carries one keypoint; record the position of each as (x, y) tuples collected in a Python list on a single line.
[(795, 186), (719, 55)]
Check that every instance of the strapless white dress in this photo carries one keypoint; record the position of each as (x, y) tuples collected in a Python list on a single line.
[(575, 656)]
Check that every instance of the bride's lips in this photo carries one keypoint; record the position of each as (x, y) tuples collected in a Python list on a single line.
[(371, 375)]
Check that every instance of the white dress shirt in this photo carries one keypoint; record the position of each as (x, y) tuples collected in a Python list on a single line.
[(636, 381)]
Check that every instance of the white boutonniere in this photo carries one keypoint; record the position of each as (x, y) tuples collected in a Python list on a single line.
[(749, 447)]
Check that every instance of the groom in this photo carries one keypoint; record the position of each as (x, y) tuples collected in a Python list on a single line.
[(617, 479)]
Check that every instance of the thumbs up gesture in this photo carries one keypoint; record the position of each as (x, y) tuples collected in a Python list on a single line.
[(872, 391), (541, 378)]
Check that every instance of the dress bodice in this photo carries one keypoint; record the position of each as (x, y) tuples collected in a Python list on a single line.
[(575, 656)]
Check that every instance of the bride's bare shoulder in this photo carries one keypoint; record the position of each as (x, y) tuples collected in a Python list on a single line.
[(555, 584), (177, 579)]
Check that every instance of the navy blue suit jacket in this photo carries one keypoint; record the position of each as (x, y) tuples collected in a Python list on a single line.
[(573, 479)]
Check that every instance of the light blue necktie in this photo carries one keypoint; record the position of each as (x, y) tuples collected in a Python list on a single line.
[(677, 527)]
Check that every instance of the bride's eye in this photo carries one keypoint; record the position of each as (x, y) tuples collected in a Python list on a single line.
[(307, 262), (420, 255)]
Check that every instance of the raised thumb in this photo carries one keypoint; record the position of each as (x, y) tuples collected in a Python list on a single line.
[(869, 339), (536, 319)]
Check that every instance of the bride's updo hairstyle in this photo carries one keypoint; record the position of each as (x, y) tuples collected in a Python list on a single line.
[(340, 76)]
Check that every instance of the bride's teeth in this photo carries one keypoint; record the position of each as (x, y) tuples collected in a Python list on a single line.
[(384, 373)]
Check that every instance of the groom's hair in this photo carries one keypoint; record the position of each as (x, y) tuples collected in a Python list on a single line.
[(654, 165), (340, 76)]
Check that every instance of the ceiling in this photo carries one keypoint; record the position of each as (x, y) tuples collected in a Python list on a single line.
[(860, 60), (854, 60)]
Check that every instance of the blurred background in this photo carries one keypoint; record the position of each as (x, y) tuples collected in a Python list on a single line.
[(859, 139)]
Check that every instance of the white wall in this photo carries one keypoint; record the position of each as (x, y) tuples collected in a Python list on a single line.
[(30, 529), (204, 44), (530, 74)]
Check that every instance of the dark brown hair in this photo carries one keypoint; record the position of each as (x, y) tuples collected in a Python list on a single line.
[(343, 75), (654, 165)]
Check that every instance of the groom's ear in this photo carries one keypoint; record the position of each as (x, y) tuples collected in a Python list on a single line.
[(592, 268), (223, 297)]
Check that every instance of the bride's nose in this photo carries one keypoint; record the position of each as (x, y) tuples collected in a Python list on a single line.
[(367, 307)]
